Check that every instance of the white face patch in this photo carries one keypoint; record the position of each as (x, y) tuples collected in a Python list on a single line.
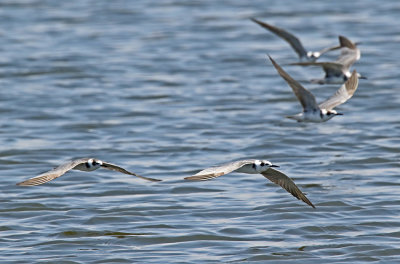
[(262, 165), (93, 164), (328, 115)]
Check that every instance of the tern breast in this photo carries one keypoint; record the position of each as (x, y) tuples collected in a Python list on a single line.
[(248, 168)]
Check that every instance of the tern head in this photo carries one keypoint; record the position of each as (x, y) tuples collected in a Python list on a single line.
[(263, 165), (93, 164), (348, 75), (328, 114)]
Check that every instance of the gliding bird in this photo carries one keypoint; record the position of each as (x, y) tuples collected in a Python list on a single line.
[(84, 164)]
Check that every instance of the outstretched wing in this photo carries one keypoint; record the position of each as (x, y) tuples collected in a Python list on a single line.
[(306, 98), (53, 174), (290, 38), (216, 171), (344, 93), (331, 69), (113, 167), (349, 53), (286, 183)]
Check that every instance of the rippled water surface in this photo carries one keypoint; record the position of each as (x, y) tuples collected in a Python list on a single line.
[(167, 88)]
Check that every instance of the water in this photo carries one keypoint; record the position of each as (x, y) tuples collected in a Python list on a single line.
[(167, 88)]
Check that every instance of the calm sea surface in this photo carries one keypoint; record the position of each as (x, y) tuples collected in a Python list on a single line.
[(167, 88)]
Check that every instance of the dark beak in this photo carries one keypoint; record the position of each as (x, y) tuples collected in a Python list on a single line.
[(274, 166), (363, 77), (339, 113)]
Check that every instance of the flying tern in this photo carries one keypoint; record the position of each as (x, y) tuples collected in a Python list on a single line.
[(338, 71), (294, 42), (83, 164), (313, 112), (253, 166)]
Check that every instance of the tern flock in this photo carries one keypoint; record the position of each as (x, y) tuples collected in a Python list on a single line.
[(337, 71)]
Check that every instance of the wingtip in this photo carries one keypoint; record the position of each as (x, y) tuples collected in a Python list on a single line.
[(149, 179), (154, 180), (346, 43), (253, 19), (271, 59)]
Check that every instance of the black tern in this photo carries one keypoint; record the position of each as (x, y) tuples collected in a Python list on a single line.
[(253, 166), (83, 164), (338, 71), (313, 112), (295, 43)]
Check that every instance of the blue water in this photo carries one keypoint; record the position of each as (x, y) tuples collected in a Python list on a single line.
[(168, 88)]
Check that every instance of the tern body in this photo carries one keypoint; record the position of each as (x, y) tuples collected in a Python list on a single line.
[(253, 166), (295, 43), (313, 112), (338, 71), (83, 164)]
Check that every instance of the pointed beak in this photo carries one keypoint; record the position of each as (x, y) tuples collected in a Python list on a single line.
[(339, 113), (363, 77), (274, 166)]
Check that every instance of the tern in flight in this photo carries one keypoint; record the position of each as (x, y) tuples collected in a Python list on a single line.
[(84, 164), (313, 112), (253, 166), (338, 71), (295, 43)]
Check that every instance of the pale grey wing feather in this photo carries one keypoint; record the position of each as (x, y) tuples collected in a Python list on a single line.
[(349, 53), (306, 98), (290, 38), (348, 57), (114, 167), (53, 174), (344, 93), (216, 171), (286, 183)]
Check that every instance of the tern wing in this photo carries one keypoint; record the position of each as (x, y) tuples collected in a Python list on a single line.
[(349, 53), (305, 97), (344, 93), (53, 174), (113, 167), (330, 68), (290, 38), (286, 183), (345, 42), (216, 171)]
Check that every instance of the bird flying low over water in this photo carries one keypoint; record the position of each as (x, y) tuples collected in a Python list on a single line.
[(295, 43), (84, 164), (253, 166), (313, 112), (338, 71)]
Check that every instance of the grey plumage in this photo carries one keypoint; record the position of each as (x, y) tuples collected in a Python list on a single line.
[(312, 111), (294, 42), (339, 70), (271, 174), (78, 164)]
